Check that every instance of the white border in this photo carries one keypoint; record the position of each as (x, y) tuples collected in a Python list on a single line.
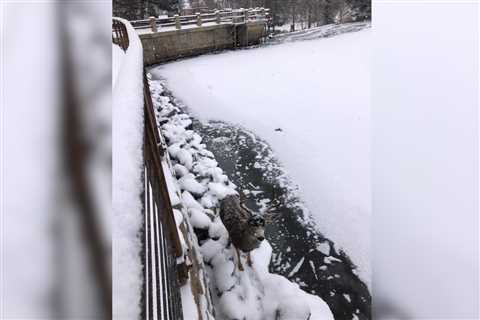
[(2, 148)]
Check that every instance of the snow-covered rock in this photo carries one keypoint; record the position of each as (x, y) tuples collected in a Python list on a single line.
[(188, 183)]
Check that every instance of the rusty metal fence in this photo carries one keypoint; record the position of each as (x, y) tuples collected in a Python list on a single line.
[(163, 275), (164, 267)]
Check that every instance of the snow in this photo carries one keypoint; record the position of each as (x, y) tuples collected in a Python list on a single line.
[(324, 248), (199, 219), (185, 158), (287, 27), (425, 147), (117, 60), (279, 290), (253, 294), (188, 303), (297, 267), (328, 260), (127, 173), (188, 183), (148, 30), (180, 170), (189, 201), (318, 93), (171, 186), (324, 31), (220, 190)]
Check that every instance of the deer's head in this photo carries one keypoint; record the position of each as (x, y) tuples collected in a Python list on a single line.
[(256, 227)]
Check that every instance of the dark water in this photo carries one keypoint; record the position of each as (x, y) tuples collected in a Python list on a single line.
[(300, 252)]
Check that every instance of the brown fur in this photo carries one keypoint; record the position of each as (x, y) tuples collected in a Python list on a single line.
[(246, 230)]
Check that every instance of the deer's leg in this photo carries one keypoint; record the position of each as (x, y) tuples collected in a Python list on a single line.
[(249, 259), (240, 267)]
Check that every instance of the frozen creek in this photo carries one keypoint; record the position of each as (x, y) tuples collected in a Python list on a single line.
[(300, 252)]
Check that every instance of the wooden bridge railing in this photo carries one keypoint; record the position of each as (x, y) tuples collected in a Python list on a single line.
[(224, 16), (162, 248)]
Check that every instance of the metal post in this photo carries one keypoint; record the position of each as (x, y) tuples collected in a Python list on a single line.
[(153, 24), (178, 25), (218, 17)]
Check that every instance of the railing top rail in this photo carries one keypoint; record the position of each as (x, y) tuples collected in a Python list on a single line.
[(221, 16), (119, 34)]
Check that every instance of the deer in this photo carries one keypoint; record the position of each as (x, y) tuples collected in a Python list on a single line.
[(245, 228)]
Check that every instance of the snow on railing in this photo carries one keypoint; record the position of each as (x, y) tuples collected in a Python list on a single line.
[(218, 17), (163, 264)]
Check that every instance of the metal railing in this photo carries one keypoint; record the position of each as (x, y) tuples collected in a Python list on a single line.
[(237, 16), (119, 34), (162, 254), (163, 245)]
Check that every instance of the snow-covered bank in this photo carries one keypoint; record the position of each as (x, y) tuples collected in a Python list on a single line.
[(317, 93), (324, 31), (127, 170), (198, 186)]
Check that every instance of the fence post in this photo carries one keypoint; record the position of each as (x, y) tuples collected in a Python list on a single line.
[(199, 19), (178, 25), (245, 15), (218, 17), (153, 24)]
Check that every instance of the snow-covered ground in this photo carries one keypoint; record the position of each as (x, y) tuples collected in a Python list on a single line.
[(318, 93), (324, 31), (425, 149)]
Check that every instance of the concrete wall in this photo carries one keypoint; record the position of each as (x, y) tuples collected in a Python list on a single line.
[(169, 45), (250, 33)]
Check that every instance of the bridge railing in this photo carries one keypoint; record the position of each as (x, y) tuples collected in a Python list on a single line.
[(162, 253), (163, 246), (119, 34), (214, 17)]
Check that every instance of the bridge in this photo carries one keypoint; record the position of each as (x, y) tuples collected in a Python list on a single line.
[(170, 38)]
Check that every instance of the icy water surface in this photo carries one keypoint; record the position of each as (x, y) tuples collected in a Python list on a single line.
[(300, 252)]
